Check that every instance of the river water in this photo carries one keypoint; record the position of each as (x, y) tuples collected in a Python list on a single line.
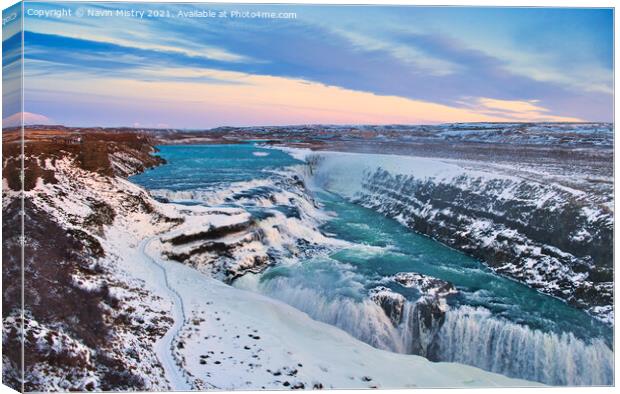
[(491, 322)]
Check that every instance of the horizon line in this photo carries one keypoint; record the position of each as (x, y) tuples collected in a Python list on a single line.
[(299, 125)]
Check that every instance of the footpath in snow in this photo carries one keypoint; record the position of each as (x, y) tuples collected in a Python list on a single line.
[(163, 347)]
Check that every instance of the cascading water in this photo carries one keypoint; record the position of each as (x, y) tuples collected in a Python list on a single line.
[(464, 334), (472, 336), (492, 323), (362, 319), (420, 328)]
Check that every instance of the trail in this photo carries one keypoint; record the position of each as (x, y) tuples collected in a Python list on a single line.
[(163, 347)]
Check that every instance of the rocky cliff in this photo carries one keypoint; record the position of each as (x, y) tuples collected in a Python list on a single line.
[(553, 233)]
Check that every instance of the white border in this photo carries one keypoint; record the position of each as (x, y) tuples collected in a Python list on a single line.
[(482, 3)]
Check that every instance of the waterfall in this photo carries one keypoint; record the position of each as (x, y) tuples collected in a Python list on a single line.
[(465, 335), (421, 323), (472, 336), (333, 294), (364, 320)]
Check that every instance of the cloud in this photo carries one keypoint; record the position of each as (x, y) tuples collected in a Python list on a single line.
[(523, 111), (431, 65), (259, 100), (28, 118), (511, 105), (407, 54), (202, 51)]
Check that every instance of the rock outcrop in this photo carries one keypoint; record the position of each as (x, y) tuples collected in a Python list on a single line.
[(554, 240), (418, 321)]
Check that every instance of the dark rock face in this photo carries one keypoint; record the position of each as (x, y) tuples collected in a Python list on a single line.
[(102, 215), (418, 321), (556, 241), (422, 322), (211, 233), (423, 319), (392, 303)]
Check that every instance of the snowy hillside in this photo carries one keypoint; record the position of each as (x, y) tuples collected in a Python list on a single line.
[(107, 308)]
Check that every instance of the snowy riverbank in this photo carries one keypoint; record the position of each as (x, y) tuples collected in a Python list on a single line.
[(229, 338)]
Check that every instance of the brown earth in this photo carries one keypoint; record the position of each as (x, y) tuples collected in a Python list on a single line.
[(91, 148), (53, 255)]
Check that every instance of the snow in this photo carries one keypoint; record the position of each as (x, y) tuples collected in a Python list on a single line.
[(288, 338), (209, 318), (87, 284), (350, 169), (217, 317), (163, 347), (214, 219), (296, 153)]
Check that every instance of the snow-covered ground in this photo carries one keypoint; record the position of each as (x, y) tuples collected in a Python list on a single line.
[(235, 339), (203, 333)]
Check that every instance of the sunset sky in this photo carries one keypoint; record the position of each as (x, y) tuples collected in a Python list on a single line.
[(332, 64)]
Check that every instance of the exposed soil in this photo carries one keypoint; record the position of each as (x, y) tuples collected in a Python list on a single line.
[(91, 149), (55, 305)]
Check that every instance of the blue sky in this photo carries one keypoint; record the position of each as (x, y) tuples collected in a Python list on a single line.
[(332, 64)]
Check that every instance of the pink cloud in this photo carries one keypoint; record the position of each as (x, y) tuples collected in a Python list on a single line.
[(28, 119)]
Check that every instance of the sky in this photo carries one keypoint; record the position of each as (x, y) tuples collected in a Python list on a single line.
[(329, 64)]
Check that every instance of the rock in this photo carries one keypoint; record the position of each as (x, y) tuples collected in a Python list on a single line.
[(427, 285), (392, 303), (552, 238), (423, 318)]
